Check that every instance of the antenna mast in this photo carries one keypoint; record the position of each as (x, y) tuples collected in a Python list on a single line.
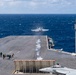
[(75, 35)]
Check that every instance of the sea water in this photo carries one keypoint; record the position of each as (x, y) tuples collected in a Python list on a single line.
[(61, 27)]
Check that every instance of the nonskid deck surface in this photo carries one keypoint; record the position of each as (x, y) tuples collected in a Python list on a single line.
[(24, 47)]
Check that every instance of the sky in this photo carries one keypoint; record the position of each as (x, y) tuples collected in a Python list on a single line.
[(37, 6)]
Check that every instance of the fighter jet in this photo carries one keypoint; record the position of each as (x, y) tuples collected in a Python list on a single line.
[(59, 70), (39, 29)]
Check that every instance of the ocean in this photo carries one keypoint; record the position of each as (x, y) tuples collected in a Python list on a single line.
[(61, 27)]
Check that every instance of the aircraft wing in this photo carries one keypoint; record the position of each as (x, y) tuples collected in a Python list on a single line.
[(67, 72), (62, 71), (36, 30), (45, 29), (46, 70), (71, 73)]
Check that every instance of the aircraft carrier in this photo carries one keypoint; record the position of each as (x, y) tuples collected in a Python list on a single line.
[(22, 48)]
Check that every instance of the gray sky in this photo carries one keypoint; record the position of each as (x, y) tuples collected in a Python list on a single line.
[(38, 6)]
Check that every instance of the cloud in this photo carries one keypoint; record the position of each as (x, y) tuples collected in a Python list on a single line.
[(65, 2), (36, 2), (6, 0), (32, 3), (1, 3), (14, 3), (36, 5)]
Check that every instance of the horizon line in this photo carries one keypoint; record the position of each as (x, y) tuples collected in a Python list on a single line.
[(39, 13)]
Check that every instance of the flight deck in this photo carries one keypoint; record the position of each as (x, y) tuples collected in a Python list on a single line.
[(24, 48)]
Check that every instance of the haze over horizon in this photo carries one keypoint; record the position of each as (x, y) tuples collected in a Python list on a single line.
[(37, 6)]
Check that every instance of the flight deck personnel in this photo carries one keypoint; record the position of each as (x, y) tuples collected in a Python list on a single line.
[(57, 65), (0, 54), (4, 56)]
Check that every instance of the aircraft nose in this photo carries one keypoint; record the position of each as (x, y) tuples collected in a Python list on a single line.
[(42, 70)]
